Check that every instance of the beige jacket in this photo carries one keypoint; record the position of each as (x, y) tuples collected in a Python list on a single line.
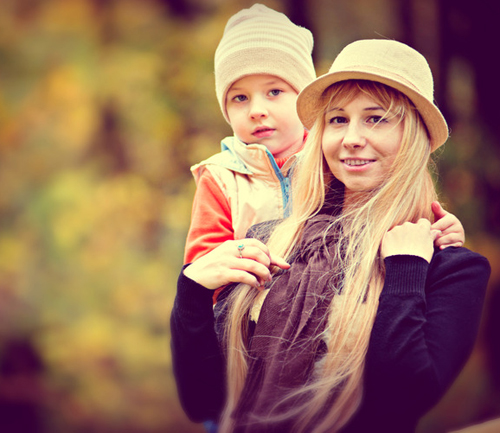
[(248, 176)]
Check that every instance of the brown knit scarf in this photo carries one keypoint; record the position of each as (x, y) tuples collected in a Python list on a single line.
[(287, 342)]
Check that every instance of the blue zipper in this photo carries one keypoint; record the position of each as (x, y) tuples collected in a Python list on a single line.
[(284, 183)]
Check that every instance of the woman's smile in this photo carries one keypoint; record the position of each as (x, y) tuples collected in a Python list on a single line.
[(357, 163)]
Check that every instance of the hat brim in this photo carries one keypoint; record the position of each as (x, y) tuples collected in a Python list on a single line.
[(311, 101)]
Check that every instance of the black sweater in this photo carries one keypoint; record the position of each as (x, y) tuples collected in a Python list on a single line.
[(424, 331)]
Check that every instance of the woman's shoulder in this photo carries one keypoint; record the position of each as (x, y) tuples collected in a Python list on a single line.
[(460, 258), (458, 254)]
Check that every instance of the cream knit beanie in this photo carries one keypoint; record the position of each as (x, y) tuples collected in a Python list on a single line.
[(260, 40)]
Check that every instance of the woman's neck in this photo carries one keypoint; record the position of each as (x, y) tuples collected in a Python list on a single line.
[(355, 199)]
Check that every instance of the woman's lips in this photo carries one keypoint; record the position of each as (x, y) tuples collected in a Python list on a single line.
[(357, 164), (357, 161)]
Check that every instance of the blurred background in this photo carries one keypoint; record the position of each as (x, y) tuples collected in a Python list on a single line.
[(104, 106)]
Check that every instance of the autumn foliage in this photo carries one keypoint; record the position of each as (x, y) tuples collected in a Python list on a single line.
[(104, 105)]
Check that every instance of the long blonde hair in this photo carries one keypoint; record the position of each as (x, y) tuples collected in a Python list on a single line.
[(406, 195)]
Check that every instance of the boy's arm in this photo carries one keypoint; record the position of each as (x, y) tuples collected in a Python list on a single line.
[(211, 222), (452, 232)]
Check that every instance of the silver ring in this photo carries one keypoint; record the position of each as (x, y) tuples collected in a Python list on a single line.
[(241, 247)]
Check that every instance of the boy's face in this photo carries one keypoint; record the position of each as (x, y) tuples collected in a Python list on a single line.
[(261, 109)]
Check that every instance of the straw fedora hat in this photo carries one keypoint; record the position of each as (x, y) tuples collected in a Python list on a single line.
[(385, 61)]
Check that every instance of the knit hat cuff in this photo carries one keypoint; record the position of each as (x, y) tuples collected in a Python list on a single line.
[(254, 61)]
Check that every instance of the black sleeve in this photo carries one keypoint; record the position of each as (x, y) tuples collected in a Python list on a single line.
[(425, 329), (197, 359)]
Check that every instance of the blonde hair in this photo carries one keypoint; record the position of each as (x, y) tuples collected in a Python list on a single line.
[(406, 195)]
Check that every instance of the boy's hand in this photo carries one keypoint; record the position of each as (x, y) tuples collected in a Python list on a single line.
[(452, 232)]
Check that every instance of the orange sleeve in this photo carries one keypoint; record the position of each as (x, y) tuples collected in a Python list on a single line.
[(211, 222)]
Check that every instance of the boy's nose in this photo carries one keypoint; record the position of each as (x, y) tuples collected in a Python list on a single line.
[(258, 109), (354, 136)]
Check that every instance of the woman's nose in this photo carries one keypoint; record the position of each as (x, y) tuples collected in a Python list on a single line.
[(354, 136)]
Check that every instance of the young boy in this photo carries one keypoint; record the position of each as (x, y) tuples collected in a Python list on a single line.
[(261, 64)]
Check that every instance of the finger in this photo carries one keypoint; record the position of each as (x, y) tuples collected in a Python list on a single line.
[(424, 222), (438, 210), (443, 223), (435, 235), (254, 243), (258, 251), (252, 248), (456, 244), (279, 261), (255, 254), (258, 270), (449, 240), (239, 276)]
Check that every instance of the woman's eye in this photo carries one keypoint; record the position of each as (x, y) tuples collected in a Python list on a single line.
[(337, 120), (377, 119)]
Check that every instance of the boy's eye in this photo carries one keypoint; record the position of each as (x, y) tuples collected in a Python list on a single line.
[(275, 92), (239, 98)]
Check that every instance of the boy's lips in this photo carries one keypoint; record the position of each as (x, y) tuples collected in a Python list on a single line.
[(262, 132)]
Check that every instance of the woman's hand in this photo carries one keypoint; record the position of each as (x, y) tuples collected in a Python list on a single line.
[(410, 239), (239, 261)]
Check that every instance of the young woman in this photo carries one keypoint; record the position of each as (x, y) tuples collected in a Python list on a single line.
[(369, 325)]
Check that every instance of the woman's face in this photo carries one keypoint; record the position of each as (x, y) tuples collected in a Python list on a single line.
[(360, 142)]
